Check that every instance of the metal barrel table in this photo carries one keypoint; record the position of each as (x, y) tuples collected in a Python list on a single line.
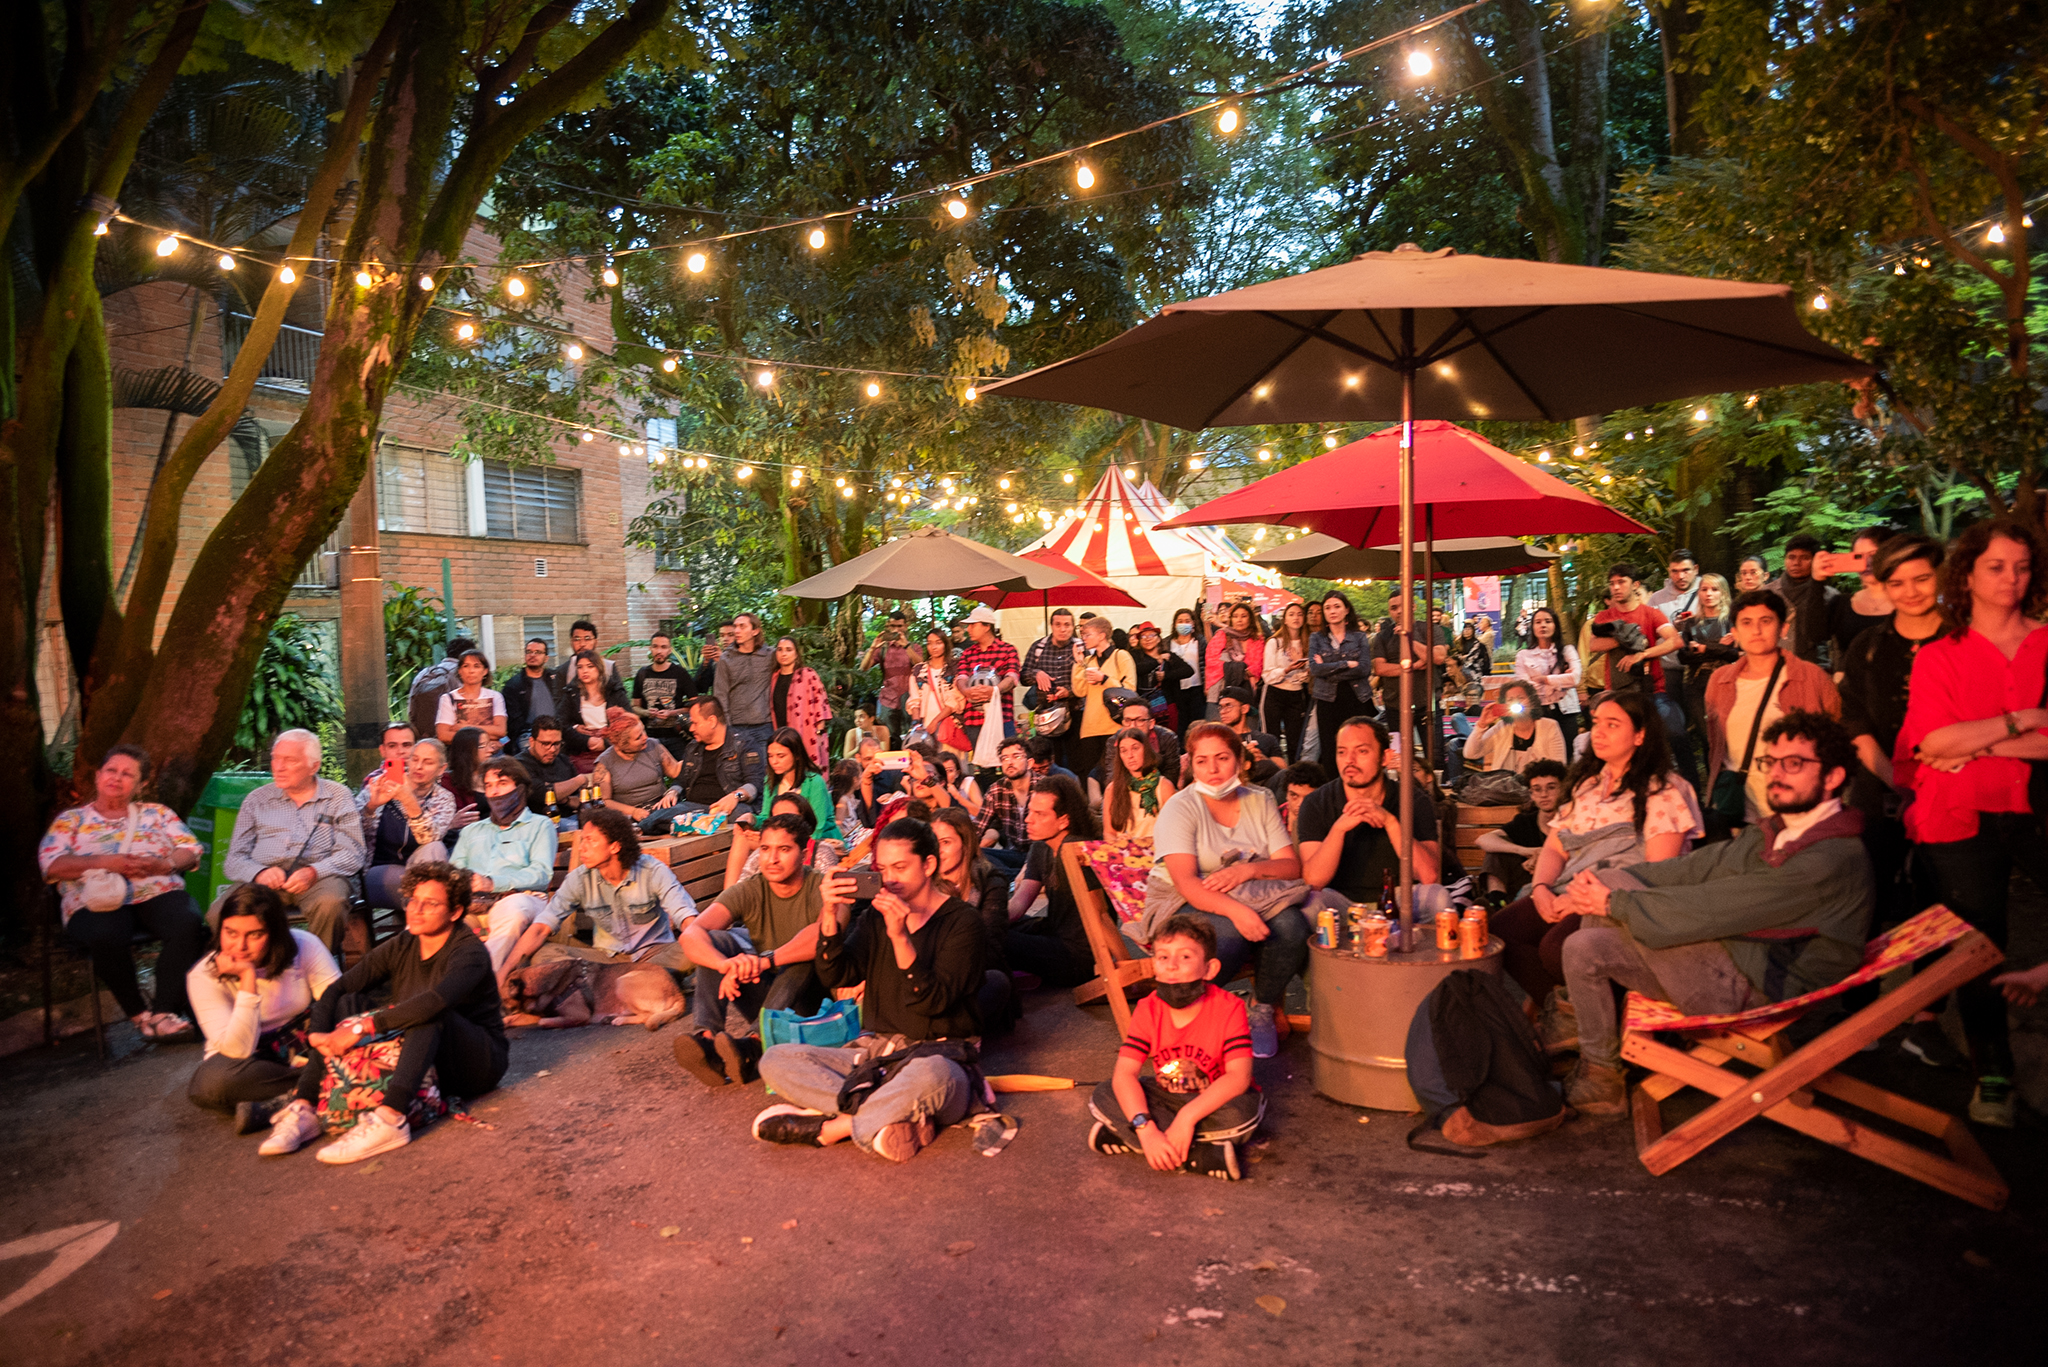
[(1359, 1012)]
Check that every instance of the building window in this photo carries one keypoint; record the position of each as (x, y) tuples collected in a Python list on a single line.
[(538, 629), (661, 434), (421, 491), (531, 502)]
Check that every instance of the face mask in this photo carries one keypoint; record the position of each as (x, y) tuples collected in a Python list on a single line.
[(1219, 791), (504, 808), (1180, 996), (1183, 628)]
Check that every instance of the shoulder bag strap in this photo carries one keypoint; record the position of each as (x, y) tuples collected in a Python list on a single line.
[(1756, 727)]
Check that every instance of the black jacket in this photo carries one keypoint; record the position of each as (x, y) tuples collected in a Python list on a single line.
[(519, 713), (936, 997), (742, 767)]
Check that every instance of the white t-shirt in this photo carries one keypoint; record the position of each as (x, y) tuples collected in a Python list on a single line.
[(457, 710), (233, 1021), (1748, 693), (1186, 826)]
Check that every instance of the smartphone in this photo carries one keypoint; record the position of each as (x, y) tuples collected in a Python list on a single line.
[(894, 759), (1830, 563), (866, 883)]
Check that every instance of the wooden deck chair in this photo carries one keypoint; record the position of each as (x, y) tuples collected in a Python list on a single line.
[(1785, 1090), (1116, 968)]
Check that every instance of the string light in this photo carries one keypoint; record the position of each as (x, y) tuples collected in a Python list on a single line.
[(957, 208), (1996, 235), (611, 277), (99, 229), (589, 435), (1543, 457), (874, 390), (573, 352), (668, 363), (846, 493), (1068, 477), (764, 378), (1420, 63), (895, 484), (972, 393), (1002, 484), (286, 274), (167, 244), (1578, 450), (1820, 302), (427, 283), (1699, 415), (364, 280), (465, 331), (1194, 463), (1085, 177), (227, 263), (839, 483), (1330, 442), (817, 239), (744, 472), (1607, 479), (1227, 119), (1265, 454), (695, 263), (516, 287)]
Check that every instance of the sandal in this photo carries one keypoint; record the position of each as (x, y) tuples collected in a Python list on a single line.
[(163, 1026)]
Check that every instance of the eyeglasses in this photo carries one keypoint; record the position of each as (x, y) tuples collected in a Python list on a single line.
[(1793, 765)]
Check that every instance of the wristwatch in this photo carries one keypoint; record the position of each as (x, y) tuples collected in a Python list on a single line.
[(1140, 1121)]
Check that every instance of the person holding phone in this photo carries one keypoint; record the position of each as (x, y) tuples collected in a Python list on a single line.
[(1513, 732), (892, 652)]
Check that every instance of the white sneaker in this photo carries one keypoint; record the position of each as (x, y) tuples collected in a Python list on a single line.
[(290, 1130), (372, 1135)]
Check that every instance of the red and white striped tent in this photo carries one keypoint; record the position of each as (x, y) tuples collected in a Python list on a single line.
[(1114, 533)]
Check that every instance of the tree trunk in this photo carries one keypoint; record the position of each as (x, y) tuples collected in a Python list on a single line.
[(1678, 20)]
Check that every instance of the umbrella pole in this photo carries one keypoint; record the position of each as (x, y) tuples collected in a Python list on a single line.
[(1407, 627), (1433, 727)]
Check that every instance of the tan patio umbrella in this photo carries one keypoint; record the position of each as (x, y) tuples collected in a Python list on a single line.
[(925, 564)]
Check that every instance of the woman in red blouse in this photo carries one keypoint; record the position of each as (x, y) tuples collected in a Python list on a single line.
[(1974, 718)]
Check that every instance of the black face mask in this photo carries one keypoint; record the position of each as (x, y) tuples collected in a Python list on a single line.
[(505, 808), (1180, 996)]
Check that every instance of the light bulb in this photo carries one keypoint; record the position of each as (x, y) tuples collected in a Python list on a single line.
[(764, 378), (817, 239), (946, 484), (1226, 122), (1068, 477), (427, 283), (166, 245), (99, 229), (874, 390), (465, 331), (1085, 177), (1420, 63), (668, 363), (1330, 442), (744, 472), (287, 274), (972, 393), (1265, 454), (839, 483), (1194, 463), (1543, 457), (1578, 450), (1009, 507), (957, 208), (1131, 472), (1699, 415), (1820, 302), (846, 493), (227, 263), (1996, 235), (515, 287), (611, 277), (1002, 484), (695, 263), (364, 280), (895, 484), (625, 448), (589, 435), (573, 352)]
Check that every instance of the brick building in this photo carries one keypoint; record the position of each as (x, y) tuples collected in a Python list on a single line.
[(530, 548)]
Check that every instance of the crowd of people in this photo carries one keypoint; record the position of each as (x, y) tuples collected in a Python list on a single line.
[(1725, 791)]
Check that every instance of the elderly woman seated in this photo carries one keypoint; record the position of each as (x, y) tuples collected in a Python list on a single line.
[(406, 818)]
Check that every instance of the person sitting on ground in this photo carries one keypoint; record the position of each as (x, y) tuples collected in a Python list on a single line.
[(112, 882), (1511, 851), (510, 859), (965, 788), (1264, 752), (470, 702), (920, 954), (721, 771), (1628, 806), (1350, 829), (974, 877), (632, 899), (1200, 1103), (1222, 853), (924, 782), (1779, 911), (1512, 734), (769, 969), (633, 774), (434, 982), (406, 815), (1137, 788), (301, 834), (790, 772), (1053, 948), (1291, 787), (251, 995), (552, 792), (1044, 755)]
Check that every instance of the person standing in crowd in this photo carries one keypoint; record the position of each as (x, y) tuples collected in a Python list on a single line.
[(1751, 574), (529, 694), (1048, 669), (1641, 667), (717, 641), (300, 834), (1285, 672), (986, 653), (1390, 656), (890, 650), (583, 640), (797, 701), (789, 770), (117, 863), (1869, 605), (423, 701), (1101, 671), (745, 682), (660, 690), (1513, 733), (406, 815), (1339, 668), (1877, 668), (1974, 721), (1817, 610), (591, 696), (1161, 673), (1190, 697), (1474, 656), (251, 996), (1222, 853), (1137, 787), (469, 703), (1705, 646), (1237, 654), (1679, 598), (1552, 665), (1744, 699), (934, 696), (1005, 835), (1628, 807)]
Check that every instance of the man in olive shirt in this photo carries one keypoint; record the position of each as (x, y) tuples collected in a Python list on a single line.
[(769, 966)]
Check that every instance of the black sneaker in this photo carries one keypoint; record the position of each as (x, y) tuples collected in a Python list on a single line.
[(1104, 1141), (1217, 1160), (1926, 1041), (786, 1124), (254, 1116), (700, 1060), (741, 1057)]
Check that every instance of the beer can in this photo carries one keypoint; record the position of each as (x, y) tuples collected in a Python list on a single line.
[(1326, 928), (1374, 942), (1472, 935), (1447, 930), (1356, 927)]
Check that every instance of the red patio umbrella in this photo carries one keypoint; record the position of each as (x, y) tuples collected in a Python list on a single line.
[(1081, 590)]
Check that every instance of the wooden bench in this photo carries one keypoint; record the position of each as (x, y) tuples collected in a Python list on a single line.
[(1473, 822)]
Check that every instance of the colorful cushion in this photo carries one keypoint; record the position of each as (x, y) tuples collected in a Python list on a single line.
[(1123, 871), (1934, 929)]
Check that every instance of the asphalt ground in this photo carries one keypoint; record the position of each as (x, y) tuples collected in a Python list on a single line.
[(617, 1212)]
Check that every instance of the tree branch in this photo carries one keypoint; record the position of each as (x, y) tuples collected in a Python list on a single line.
[(499, 79)]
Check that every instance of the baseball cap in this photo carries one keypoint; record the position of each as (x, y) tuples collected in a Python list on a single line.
[(984, 614)]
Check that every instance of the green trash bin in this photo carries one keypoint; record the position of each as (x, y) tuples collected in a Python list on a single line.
[(212, 821)]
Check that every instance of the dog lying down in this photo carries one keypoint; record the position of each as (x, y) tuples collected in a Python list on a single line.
[(571, 992)]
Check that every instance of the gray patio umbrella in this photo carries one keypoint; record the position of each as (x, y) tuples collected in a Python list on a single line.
[(925, 564), (1412, 334), (1325, 557)]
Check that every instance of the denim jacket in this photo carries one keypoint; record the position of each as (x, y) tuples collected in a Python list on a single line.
[(1330, 665)]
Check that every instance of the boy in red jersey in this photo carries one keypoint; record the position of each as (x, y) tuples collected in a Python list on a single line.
[(1200, 1103)]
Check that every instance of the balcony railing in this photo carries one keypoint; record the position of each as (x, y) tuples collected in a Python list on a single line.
[(291, 360)]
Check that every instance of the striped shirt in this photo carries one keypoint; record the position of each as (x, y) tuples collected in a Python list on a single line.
[(271, 830)]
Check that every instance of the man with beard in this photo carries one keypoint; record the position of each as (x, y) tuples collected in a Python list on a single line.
[(1349, 831), (1779, 911)]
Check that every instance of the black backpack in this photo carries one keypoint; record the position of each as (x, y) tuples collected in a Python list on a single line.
[(1489, 1059)]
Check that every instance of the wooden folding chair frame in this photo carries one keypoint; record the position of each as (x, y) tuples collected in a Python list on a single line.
[(1115, 967), (1785, 1090)]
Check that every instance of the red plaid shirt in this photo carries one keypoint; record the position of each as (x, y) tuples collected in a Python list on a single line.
[(999, 656)]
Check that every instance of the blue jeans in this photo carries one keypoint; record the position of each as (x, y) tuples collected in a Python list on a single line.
[(793, 987), (1276, 960), (811, 1077)]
